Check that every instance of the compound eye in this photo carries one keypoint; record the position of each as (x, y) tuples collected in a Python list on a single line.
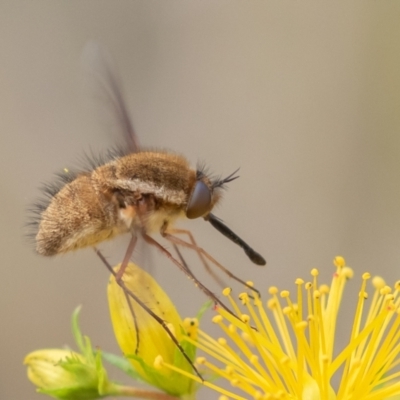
[(199, 202)]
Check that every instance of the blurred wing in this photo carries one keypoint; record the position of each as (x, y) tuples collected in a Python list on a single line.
[(105, 91), (104, 85)]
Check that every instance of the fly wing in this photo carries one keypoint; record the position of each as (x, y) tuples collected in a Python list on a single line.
[(104, 85)]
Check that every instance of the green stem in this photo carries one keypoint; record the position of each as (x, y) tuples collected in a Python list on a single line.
[(143, 394)]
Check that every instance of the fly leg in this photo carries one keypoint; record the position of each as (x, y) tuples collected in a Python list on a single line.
[(201, 252), (119, 281), (127, 257), (183, 267), (130, 295), (203, 260)]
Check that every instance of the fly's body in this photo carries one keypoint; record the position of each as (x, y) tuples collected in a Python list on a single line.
[(144, 191)]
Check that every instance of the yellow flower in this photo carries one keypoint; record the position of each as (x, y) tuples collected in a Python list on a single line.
[(142, 339), (286, 350), (64, 374)]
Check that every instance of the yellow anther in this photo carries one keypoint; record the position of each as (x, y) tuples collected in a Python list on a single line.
[(245, 318), (366, 275), (378, 282), (308, 285), (250, 283), (385, 290), (314, 272), (222, 341), (299, 281), (287, 310), (247, 338), (201, 360), (257, 302), (273, 290), (227, 291), (317, 294), (217, 319), (348, 272), (232, 328), (158, 362), (285, 293), (244, 298), (191, 326), (301, 325), (339, 262), (271, 303), (324, 289)]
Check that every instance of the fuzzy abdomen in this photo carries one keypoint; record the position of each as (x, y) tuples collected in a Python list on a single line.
[(79, 215)]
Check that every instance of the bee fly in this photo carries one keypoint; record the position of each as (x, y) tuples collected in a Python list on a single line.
[(131, 191)]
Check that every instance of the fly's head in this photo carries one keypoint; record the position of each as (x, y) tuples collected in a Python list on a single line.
[(205, 194)]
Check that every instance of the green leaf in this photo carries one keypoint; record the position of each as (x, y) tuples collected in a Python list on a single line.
[(103, 383), (156, 378), (76, 330), (123, 364), (205, 307)]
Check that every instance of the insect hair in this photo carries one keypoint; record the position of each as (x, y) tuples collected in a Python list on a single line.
[(216, 180), (88, 162)]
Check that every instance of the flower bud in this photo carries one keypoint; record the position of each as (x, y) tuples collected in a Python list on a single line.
[(64, 374), (141, 338)]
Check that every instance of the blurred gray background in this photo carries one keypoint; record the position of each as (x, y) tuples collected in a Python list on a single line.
[(303, 96)]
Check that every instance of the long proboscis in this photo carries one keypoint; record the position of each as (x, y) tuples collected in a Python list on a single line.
[(255, 257)]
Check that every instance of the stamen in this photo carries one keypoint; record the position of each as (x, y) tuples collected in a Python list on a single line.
[(287, 357)]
